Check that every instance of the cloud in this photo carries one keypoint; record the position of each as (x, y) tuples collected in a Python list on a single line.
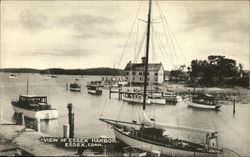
[(89, 26), (33, 22), (60, 53), (228, 25)]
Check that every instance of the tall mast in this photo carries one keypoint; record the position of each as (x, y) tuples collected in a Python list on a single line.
[(146, 62)]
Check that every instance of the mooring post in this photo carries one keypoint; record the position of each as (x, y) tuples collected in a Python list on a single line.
[(110, 92), (22, 119), (38, 125), (17, 118), (234, 107), (71, 120), (189, 94), (66, 130), (119, 94)]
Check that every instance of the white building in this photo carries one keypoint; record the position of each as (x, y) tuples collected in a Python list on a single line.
[(134, 72)]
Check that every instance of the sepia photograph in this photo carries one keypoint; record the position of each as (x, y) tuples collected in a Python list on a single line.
[(125, 78)]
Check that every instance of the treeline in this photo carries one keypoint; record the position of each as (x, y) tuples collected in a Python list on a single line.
[(218, 71), (58, 71)]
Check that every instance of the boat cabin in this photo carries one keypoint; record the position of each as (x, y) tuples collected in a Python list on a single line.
[(74, 85), (33, 98), (33, 102), (204, 99)]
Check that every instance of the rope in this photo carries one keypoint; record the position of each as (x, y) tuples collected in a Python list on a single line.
[(232, 151), (129, 35)]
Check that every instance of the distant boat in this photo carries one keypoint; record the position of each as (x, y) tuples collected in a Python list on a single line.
[(33, 106), (95, 90), (95, 83), (164, 97), (75, 87), (204, 101), (135, 97), (13, 76)]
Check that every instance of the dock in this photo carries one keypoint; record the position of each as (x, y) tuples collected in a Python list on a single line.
[(28, 140)]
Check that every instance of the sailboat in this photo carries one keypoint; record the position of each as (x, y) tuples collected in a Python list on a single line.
[(149, 134)]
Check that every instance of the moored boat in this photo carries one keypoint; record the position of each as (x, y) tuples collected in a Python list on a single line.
[(95, 90), (204, 101), (134, 97), (33, 106), (75, 87), (13, 76)]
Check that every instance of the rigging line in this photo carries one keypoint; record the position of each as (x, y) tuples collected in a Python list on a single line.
[(136, 39), (129, 34), (140, 47), (170, 48), (177, 43), (103, 108), (153, 47), (159, 43), (169, 28), (171, 36), (172, 43)]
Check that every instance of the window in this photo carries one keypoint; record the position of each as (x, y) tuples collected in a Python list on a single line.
[(127, 73), (156, 74), (140, 78), (140, 73), (148, 79), (133, 73), (133, 78), (156, 79)]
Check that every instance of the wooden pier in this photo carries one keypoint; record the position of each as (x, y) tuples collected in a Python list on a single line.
[(119, 91), (29, 141)]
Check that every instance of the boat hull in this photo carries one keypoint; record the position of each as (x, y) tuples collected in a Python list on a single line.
[(95, 92), (150, 147), (75, 89), (136, 100), (44, 114), (203, 106)]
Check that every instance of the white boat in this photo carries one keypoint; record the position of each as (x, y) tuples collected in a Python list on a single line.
[(204, 101), (164, 97), (33, 106), (134, 97), (13, 76), (95, 90), (149, 135), (75, 87)]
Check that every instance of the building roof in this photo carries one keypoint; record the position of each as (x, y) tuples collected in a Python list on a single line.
[(140, 66)]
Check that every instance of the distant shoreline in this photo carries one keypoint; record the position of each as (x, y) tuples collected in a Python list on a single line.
[(59, 71)]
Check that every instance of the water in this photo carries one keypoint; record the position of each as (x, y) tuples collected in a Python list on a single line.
[(233, 129)]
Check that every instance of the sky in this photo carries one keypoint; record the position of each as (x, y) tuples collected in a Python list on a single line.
[(90, 34)]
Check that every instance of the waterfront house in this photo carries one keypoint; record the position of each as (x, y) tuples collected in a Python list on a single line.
[(134, 72)]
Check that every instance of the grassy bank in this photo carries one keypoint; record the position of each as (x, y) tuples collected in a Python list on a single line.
[(240, 95)]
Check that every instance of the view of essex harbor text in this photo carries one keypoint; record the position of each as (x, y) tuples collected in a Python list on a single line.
[(125, 78)]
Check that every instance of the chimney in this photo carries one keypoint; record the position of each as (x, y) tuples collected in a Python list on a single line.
[(143, 60)]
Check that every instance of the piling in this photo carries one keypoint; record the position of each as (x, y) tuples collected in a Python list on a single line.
[(71, 120), (66, 130), (120, 94), (110, 92), (38, 125), (189, 94), (19, 118), (234, 107)]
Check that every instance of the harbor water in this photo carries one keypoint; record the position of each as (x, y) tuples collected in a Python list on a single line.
[(233, 129)]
